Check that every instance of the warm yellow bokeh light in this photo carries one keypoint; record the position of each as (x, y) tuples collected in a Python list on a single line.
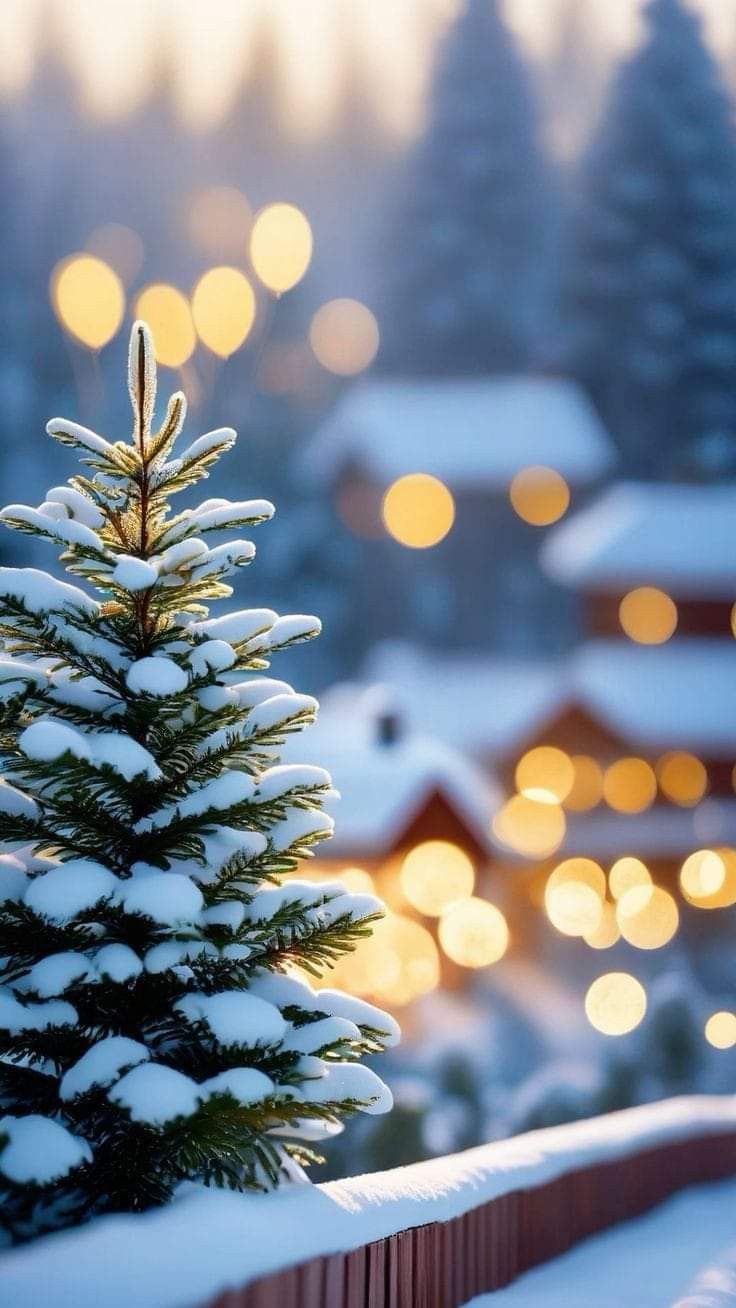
[(418, 511), (546, 774), (397, 964), (606, 933), (587, 787), (733, 619), (539, 495), (223, 309), (720, 1030), (573, 908), (708, 878), (219, 221), (474, 933), (119, 246), (280, 246), (626, 873), (344, 337), (532, 829), (169, 317), (585, 870), (629, 785), (88, 299), (434, 875), (682, 778), (356, 880), (648, 615), (616, 1003), (647, 917)]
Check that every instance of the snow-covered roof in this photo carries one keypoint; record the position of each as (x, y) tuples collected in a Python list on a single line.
[(678, 695), (468, 432), (383, 787), (474, 702), (679, 537), (210, 1241)]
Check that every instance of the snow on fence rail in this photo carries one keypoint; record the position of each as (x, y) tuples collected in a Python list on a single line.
[(431, 1235)]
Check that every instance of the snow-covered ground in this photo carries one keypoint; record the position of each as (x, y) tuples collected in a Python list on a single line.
[(646, 1263)]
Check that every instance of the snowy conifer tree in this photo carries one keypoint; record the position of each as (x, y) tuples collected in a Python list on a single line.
[(149, 1031), (466, 263), (649, 312)]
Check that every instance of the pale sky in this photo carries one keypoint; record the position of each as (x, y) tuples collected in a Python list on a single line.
[(111, 44)]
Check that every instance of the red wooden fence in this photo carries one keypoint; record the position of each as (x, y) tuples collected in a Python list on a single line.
[(443, 1264)]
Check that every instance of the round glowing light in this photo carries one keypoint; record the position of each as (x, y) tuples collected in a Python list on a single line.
[(606, 933), (532, 829), (434, 875), (629, 785), (573, 908), (396, 965), (708, 878), (627, 873), (587, 787), (223, 309), (344, 337), (539, 495), (583, 870), (648, 615), (169, 317), (219, 221), (615, 1004), (682, 778), (280, 246), (474, 933), (418, 511), (119, 246), (546, 774), (88, 299), (733, 619), (647, 917), (720, 1030), (356, 880)]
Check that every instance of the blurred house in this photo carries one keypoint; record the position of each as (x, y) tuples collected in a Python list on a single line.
[(480, 586)]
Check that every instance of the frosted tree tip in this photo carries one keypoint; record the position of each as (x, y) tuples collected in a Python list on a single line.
[(142, 374)]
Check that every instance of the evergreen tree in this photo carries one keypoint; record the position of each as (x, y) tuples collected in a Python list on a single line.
[(465, 266), (149, 1030), (649, 311)]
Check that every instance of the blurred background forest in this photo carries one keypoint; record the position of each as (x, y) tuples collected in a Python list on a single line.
[(463, 276)]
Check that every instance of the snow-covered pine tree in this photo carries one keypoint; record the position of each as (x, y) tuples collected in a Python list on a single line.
[(150, 1033), (649, 309), (465, 266)]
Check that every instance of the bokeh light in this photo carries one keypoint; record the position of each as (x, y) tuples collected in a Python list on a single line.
[(539, 495), (280, 246), (119, 246), (396, 965), (606, 934), (356, 880), (474, 933), (88, 299), (708, 878), (615, 1003), (418, 511), (629, 785), (530, 828), (219, 222), (682, 778), (573, 896), (585, 870), (169, 317), (626, 873), (344, 337), (587, 786), (546, 774), (647, 917), (720, 1030), (648, 615), (223, 309), (434, 875)]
